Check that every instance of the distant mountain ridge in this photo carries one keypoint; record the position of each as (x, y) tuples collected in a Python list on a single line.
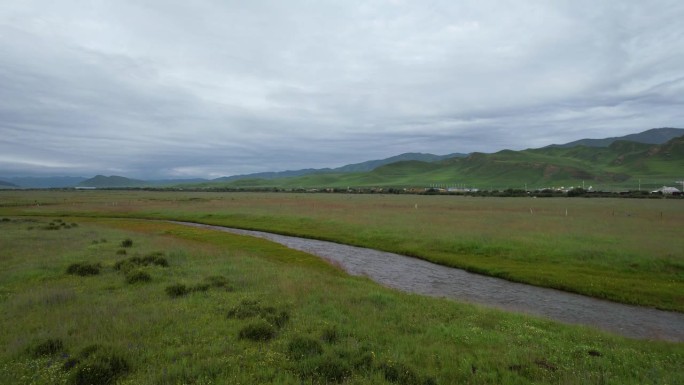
[(652, 136), (4, 184), (356, 167), (113, 181), (45, 182), (622, 163), (399, 168)]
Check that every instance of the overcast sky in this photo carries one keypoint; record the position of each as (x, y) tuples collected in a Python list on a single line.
[(176, 89)]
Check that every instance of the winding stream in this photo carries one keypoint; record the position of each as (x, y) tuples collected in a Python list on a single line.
[(422, 277)]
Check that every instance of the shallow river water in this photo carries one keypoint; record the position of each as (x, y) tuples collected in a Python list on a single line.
[(422, 277)]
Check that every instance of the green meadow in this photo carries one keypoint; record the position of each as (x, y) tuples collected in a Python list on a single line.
[(626, 250), (125, 301), (92, 292)]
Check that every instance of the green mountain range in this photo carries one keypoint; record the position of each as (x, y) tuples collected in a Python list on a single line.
[(652, 136), (356, 167), (604, 164), (620, 165)]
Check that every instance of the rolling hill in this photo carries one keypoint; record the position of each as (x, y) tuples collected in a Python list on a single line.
[(113, 181), (652, 136), (653, 157), (622, 164), (350, 168)]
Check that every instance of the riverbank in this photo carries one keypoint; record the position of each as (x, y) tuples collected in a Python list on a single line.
[(421, 277)]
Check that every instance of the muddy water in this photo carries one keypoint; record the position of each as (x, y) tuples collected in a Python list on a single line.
[(418, 276)]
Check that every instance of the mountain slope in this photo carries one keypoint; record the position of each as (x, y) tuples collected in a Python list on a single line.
[(652, 136), (46, 182), (350, 168), (4, 184), (622, 163), (409, 156)]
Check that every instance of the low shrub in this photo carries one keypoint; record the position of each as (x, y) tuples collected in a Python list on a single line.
[(83, 269), (138, 276), (259, 330), (48, 347), (177, 290), (218, 281), (127, 264), (128, 242)]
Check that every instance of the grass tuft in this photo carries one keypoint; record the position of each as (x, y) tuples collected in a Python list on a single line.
[(102, 366), (177, 290), (245, 309), (200, 287), (156, 259), (327, 368), (128, 242), (399, 373), (330, 335), (258, 330), (251, 308), (301, 347), (48, 347), (138, 276), (219, 281), (83, 269)]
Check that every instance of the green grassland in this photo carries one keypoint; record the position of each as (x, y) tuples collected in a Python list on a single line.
[(625, 250), (218, 308)]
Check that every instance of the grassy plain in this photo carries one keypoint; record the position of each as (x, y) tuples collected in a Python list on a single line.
[(256, 312), (625, 250)]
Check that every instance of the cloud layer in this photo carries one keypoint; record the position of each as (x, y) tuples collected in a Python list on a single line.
[(157, 89)]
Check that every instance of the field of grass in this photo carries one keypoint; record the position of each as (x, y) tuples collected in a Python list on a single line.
[(97, 300), (625, 250)]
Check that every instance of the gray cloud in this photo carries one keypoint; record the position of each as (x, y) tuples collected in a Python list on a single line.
[(211, 88)]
